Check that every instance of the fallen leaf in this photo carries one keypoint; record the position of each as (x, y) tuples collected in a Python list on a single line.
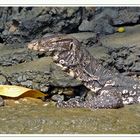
[(18, 91)]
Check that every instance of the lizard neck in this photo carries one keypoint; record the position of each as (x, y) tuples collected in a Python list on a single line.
[(81, 65)]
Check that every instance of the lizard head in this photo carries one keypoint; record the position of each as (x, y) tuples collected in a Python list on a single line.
[(53, 43)]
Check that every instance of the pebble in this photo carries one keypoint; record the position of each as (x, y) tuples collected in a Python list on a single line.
[(1, 101), (57, 98)]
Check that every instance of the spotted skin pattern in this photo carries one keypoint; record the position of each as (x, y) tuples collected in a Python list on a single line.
[(111, 89)]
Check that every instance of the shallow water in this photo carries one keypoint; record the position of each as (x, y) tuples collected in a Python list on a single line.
[(30, 116)]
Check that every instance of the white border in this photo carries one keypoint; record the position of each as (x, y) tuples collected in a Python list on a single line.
[(69, 137), (65, 135), (70, 2), (75, 135)]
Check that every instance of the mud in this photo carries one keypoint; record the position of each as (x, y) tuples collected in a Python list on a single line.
[(28, 116)]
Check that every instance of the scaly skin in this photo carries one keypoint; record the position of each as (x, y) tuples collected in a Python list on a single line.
[(112, 90)]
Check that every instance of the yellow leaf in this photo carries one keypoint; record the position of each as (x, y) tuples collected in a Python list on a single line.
[(18, 91)]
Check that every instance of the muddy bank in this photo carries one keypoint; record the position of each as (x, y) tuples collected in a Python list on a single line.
[(35, 117)]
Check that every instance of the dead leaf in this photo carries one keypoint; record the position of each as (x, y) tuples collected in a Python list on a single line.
[(18, 91)]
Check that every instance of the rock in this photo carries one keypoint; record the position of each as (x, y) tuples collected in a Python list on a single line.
[(136, 67), (83, 36), (124, 59), (13, 55), (118, 40), (22, 24), (38, 21), (61, 79), (86, 26), (123, 51), (103, 20), (34, 71), (88, 39), (17, 58), (126, 16), (37, 72), (99, 26), (100, 52), (100, 23)]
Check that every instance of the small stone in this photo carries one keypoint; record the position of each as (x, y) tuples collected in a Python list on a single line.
[(46, 104), (121, 29), (57, 98), (2, 80), (1, 101), (44, 88), (16, 102), (27, 83)]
